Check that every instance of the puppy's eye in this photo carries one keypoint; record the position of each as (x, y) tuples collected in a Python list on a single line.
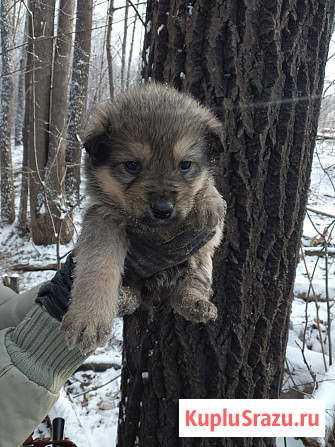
[(185, 166), (132, 167)]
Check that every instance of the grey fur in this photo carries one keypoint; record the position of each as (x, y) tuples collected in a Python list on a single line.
[(159, 128)]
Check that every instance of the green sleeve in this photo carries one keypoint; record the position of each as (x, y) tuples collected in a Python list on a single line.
[(14, 307), (35, 362)]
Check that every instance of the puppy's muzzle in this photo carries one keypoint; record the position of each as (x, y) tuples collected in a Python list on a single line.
[(162, 210)]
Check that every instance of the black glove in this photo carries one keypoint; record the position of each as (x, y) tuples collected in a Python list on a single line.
[(146, 257), (54, 296)]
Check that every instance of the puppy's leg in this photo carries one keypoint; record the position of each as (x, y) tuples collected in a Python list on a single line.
[(191, 297), (209, 210), (100, 256)]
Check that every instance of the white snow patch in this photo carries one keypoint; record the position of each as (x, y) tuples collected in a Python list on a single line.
[(147, 53), (159, 29), (190, 9)]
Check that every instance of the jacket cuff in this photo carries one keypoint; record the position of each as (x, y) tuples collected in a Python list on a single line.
[(39, 350)]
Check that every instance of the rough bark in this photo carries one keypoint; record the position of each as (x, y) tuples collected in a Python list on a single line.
[(6, 114), (260, 67), (77, 98)]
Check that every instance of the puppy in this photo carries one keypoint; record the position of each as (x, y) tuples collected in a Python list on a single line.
[(149, 167)]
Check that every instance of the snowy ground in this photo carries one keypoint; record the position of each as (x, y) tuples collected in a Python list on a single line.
[(308, 369), (89, 401)]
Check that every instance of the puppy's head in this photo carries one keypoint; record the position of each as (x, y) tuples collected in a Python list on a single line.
[(150, 152)]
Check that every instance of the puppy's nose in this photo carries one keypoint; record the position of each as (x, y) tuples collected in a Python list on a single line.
[(162, 210)]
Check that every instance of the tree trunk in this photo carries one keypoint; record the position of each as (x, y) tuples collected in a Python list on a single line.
[(6, 114), (131, 49), (39, 67), (261, 70), (109, 48), (124, 48), (55, 169), (78, 94), (23, 224), (19, 116)]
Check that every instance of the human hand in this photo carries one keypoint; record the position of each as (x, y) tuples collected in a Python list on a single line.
[(54, 296)]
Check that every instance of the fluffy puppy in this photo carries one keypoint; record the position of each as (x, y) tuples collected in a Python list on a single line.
[(149, 167)]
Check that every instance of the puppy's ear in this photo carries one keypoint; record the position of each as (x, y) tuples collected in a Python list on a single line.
[(97, 148), (214, 137)]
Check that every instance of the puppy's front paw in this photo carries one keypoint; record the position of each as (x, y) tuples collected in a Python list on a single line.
[(196, 308), (209, 211), (204, 217), (86, 332)]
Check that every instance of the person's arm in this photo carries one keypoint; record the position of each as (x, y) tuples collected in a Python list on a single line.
[(35, 362), (14, 307)]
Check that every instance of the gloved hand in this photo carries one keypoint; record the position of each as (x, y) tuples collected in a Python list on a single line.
[(54, 296), (146, 257)]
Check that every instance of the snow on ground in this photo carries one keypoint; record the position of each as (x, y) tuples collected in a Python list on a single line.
[(89, 400), (307, 360)]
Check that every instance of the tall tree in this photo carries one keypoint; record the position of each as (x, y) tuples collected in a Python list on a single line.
[(124, 48), (55, 168), (77, 99), (19, 114), (110, 16), (20, 136), (261, 70), (45, 118), (131, 49), (36, 138), (6, 113)]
